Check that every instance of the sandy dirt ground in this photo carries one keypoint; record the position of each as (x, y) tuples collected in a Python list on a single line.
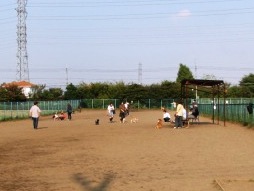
[(78, 155)]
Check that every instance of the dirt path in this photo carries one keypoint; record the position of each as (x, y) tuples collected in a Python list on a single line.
[(78, 155)]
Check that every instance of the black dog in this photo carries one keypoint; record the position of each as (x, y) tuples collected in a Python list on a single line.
[(97, 121)]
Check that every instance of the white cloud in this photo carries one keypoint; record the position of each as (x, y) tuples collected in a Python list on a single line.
[(185, 13)]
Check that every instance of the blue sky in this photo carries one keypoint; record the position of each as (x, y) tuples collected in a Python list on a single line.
[(134, 41)]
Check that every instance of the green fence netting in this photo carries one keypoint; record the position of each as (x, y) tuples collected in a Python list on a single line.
[(235, 109)]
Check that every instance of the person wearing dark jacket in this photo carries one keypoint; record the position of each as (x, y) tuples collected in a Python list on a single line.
[(69, 111)]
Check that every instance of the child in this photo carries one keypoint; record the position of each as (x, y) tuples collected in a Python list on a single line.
[(166, 116), (62, 116)]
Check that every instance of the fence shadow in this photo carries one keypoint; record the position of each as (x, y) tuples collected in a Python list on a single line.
[(86, 183)]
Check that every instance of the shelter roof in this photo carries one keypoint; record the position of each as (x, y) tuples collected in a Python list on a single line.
[(199, 82)]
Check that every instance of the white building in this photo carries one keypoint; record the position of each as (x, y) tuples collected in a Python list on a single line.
[(26, 86)]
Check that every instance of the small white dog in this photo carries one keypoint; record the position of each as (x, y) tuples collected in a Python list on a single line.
[(55, 117), (134, 120)]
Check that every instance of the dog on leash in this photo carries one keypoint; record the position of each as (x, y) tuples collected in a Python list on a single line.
[(97, 122), (159, 124)]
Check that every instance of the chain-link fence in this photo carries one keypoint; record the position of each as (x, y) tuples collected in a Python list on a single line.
[(235, 109), (20, 110), (134, 104)]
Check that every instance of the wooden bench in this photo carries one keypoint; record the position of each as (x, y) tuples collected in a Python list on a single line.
[(187, 121)]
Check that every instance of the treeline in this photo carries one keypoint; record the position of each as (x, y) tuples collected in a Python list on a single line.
[(117, 90), (122, 91)]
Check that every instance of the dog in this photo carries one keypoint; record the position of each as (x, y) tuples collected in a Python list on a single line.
[(97, 122), (134, 120), (159, 124), (55, 117)]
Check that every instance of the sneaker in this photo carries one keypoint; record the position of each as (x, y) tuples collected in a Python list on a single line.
[(174, 127)]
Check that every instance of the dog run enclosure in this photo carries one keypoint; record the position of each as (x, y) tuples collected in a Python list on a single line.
[(214, 87)]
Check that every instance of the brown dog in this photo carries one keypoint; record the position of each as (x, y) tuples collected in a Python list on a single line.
[(159, 124)]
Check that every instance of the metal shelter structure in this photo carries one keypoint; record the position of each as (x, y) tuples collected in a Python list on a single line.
[(214, 87)]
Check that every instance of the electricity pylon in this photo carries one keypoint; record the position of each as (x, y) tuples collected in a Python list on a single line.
[(22, 58)]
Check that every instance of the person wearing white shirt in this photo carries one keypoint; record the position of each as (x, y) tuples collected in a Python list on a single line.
[(184, 114), (166, 116), (179, 115), (111, 110), (35, 114), (126, 105)]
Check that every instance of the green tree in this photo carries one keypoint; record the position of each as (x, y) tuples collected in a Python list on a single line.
[(102, 90), (3, 94), (247, 85), (71, 92), (83, 91), (36, 92), (170, 89), (134, 92), (46, 95), (57, 93), (12, 93), (155, 91), (118, 91), (183, 73), (234, 92), (164, 90), (52, 94), (99, 90)]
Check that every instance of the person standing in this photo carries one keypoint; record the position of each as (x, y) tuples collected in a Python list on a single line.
[(184, 118), (194, 103), (111, 111), (184, 114), (122, 113), (179, 115), (35, 114), (69, 111), (126, 105)]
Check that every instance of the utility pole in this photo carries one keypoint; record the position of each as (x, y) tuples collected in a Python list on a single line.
[(67, 78), (22, 58), (196, 78)]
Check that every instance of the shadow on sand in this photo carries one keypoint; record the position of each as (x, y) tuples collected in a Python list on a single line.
[(42, 127), (86, 184)]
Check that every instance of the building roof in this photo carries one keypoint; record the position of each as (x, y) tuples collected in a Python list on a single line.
[(19, 84)]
